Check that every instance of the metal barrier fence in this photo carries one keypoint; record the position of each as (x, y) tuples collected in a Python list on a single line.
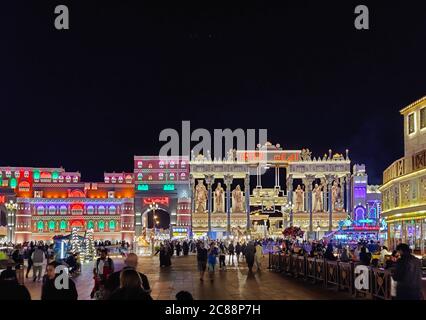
[(333, 274)]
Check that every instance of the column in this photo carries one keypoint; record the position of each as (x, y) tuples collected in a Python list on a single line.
[(307, 181), (290, 196), (324, 194), (192, 185), (228, 181), (348, 195), (209, 180), (329, 178), (247, 198)]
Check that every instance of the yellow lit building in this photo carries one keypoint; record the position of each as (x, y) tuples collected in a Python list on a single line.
[(404, 184)]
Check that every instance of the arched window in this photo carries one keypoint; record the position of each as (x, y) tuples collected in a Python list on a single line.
[(90, 224), (101, 225), (13, 183), (139, 164), (90, 210), (112, 210), (63, 209), (40, 225), (140, 176), (40, 210), (101, 210), (52, 209), (112, 225), (51, 225), (63, 225)]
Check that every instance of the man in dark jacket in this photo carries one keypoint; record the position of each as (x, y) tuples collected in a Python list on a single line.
[(249, 253), (51, 290), (131, 262), (10, 289), (408, 275)]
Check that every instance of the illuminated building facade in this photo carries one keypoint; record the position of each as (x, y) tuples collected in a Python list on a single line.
[(404, 184), (51, 201)]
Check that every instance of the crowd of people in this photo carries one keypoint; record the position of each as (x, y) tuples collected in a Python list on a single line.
[(211, 256)]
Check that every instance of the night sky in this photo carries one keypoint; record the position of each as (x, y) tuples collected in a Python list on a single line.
[(91, 97)]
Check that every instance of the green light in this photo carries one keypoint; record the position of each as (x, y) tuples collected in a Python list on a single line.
[(90, 225), (101, 224), (36, 175), (51, 225), (13, 183), (63, 225), (55, 175), (143, 187), (169, 187), (112, 225)]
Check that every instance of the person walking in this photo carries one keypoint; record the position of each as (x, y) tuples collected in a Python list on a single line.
[(18, 258), (258, 256), (249, 254), (185, 248), (38, 257), (222, 256), (201, 259), (104, 266), (408, 275), (29, 261), (212, 254), (243, 250), (231, 253), (178, 249), (238, 251)]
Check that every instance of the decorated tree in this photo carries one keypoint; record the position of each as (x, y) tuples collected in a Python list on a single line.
[(75, 242), (89, 245)]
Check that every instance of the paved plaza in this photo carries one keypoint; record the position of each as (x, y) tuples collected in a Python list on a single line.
[(233, 284)]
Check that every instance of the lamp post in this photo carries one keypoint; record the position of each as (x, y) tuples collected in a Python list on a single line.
[(11, 219), (153, 206)]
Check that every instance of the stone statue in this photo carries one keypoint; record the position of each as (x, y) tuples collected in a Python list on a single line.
[(218, 198), (318, 198), (306, 155), (237, 200), (299, 198), (200, 197), (335, 194)]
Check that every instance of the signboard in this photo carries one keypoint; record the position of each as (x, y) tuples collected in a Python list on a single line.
[(157, 200)]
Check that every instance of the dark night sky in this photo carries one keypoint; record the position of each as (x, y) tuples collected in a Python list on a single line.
[(91, 97)]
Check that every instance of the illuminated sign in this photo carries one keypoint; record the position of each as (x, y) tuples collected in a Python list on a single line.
[(2, 199), (158, 200), (284, 156), (169, 187)]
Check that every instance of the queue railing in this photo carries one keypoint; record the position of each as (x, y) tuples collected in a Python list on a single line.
[(333, 274)]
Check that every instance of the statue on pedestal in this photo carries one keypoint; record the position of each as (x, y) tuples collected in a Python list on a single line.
[(237, 200), (218, 198), (200, 197), (299, 198), (335, 195), (318, 198)]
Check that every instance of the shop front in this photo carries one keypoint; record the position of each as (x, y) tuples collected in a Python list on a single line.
[(409, 231)]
